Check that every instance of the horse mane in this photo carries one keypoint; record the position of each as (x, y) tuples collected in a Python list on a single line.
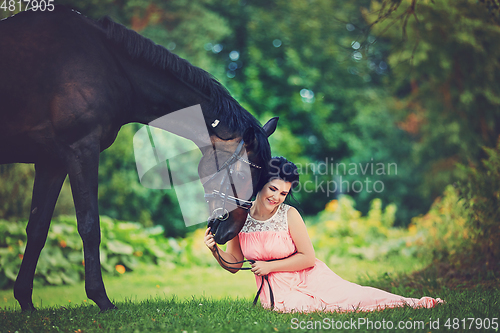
[(227, 110)]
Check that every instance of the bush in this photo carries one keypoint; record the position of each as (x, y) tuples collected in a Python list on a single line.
[(443, 231), (481, 193), (462, 228), (341, 231), (123, 246)]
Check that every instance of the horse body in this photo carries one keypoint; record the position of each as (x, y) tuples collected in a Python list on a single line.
[(67, 85), (56, 95), (76, 82)]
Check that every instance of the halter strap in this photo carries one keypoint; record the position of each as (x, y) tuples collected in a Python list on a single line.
[(223, 193), (228, 162), (245, 204)]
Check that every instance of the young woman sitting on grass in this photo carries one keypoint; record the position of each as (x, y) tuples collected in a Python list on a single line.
[(275, 238)]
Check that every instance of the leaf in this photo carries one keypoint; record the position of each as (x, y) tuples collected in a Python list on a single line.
[(70, 276), (116, 246), (54, 278), (10, 271)]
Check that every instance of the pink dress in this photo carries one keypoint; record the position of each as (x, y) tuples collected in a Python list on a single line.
[(312, 289)]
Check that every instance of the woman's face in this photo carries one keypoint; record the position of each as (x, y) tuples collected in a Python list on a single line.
[(274, 193)]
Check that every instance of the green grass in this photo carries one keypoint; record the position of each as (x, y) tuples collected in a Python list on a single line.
[(152, 281), (201, 314), (146, 283), (208, 299)]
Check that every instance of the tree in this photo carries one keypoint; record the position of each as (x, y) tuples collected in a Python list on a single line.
[(445, 80), (304, 62)]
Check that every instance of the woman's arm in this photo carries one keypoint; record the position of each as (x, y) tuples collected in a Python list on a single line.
[(305, 256), (232, 254)]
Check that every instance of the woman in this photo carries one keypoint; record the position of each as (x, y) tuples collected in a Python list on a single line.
[(275, 237)]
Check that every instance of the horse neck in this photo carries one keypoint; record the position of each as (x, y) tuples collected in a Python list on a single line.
[(158, 94)]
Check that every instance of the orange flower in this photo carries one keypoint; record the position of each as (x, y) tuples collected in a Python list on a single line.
[(21, 256), (120, 269), (63, 244), (332, 206)]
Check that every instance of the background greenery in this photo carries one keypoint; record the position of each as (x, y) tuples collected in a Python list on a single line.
[(419, 93)]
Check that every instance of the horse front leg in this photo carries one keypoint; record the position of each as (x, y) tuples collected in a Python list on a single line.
[(49, 178), (83, 167)]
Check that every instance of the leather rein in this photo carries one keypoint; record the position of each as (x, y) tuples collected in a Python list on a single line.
[(263, 277)]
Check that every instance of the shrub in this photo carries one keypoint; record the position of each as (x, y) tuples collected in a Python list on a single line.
[(462, 228), (342, 231), (443, 231), (481, 193), (123, 246)]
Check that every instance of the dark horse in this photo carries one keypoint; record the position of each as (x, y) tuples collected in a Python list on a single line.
[(68, 84)]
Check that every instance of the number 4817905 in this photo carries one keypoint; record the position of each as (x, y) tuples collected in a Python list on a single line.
[(41, 5)]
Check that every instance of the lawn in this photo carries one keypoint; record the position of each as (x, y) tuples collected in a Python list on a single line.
[(144, 284), (208, 299), (205, 314), (184, 283)]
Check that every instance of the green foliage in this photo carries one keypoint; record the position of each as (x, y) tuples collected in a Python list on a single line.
[(481, 192), (313, 65), (444, 79), (123, 246), (442, 232), (60, 262), (463, 226), (341, 231), (16, 182)]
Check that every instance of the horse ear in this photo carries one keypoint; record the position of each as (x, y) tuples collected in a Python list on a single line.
[(270, 126), (249, 136)]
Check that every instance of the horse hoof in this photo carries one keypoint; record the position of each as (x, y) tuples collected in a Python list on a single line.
[(28, 308), (107, 309)]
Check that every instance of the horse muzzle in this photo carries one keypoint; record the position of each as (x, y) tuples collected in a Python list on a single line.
[(218, 216), (223, 236)]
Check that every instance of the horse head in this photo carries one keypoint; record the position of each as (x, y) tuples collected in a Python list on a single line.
[(232, 173)]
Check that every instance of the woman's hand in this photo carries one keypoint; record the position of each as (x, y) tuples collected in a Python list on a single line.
[(209, 240), (262, 268)]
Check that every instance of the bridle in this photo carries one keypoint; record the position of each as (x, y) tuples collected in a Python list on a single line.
[(244, 204), (222, 213)]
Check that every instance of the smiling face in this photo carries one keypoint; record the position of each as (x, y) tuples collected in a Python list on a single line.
[(273, 193)]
